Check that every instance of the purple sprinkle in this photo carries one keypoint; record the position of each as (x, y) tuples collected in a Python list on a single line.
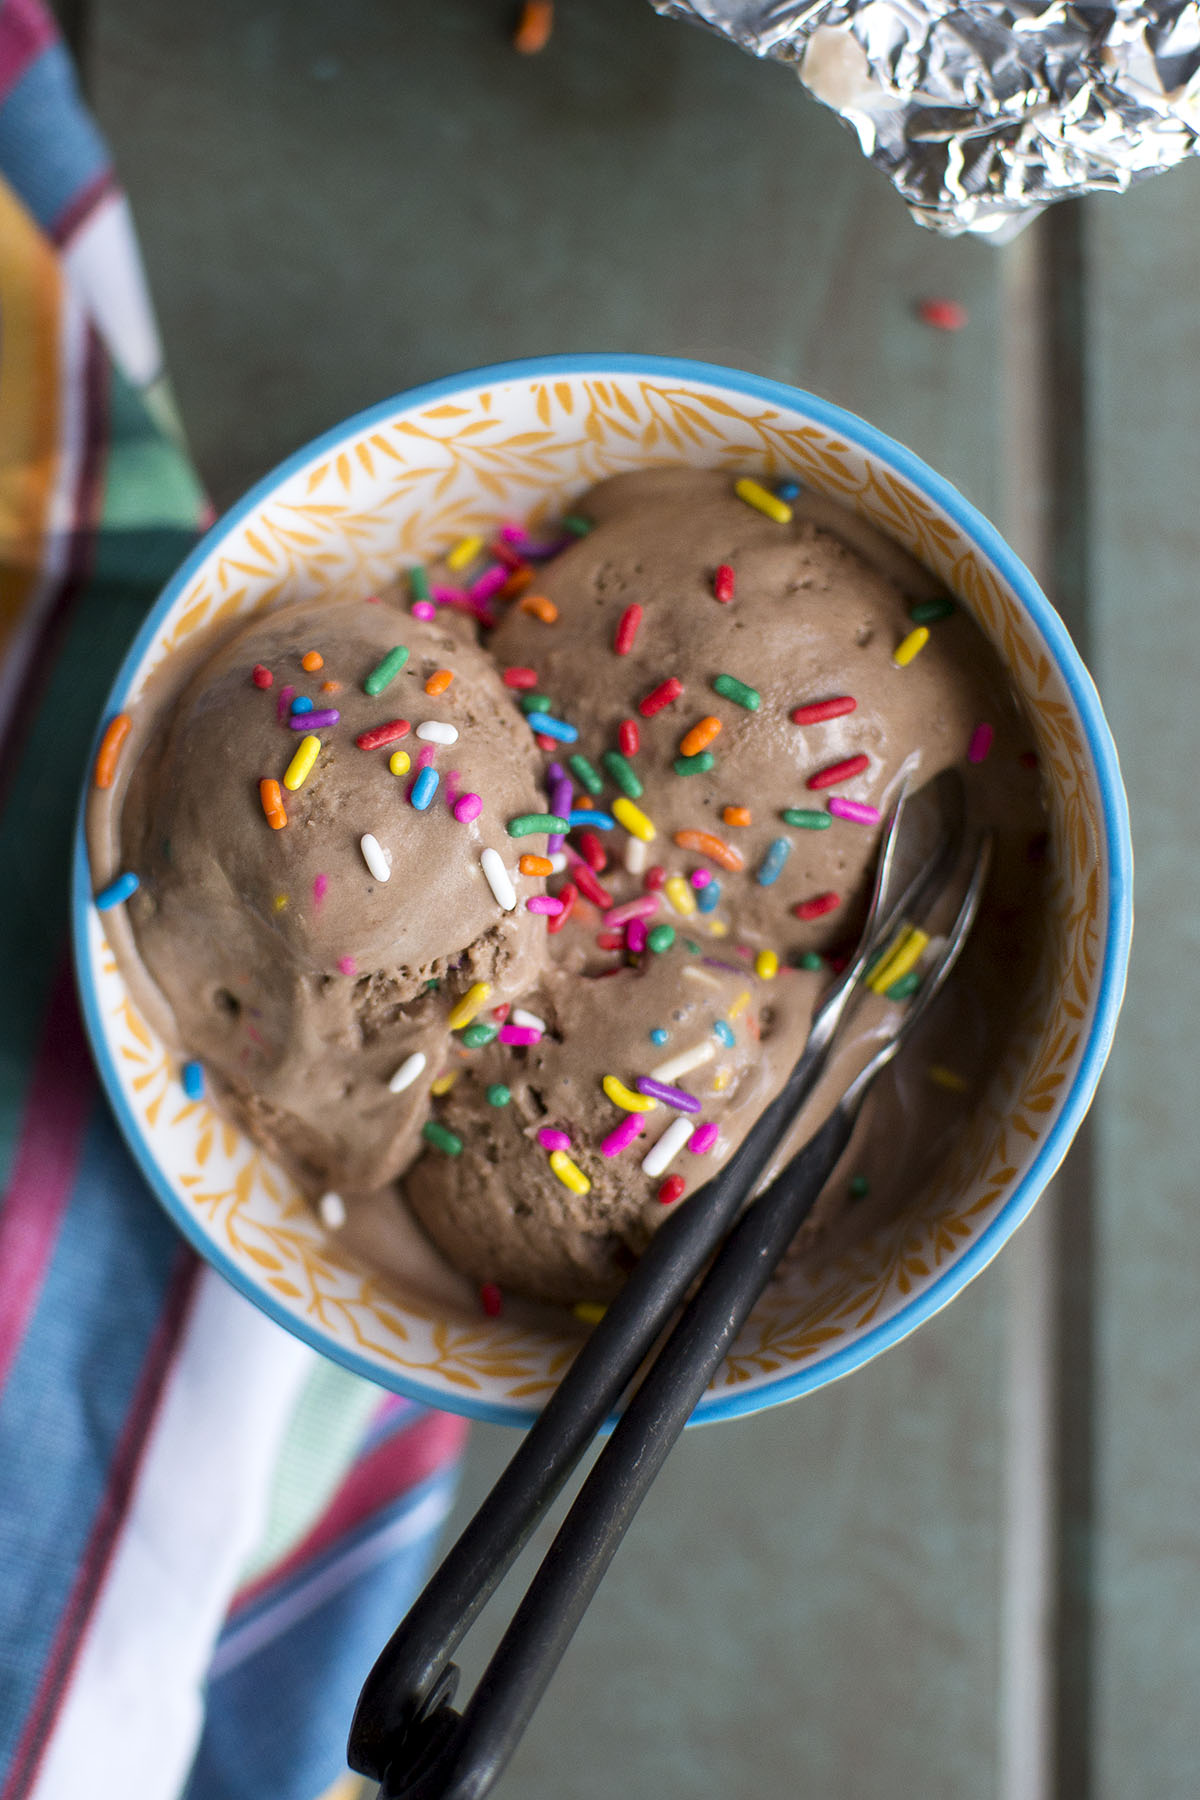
[(314, 720), (467, 807), (489, 583), (699, 878), (623, 1136), (854, 811), (544, 903), (703, 1138), (522, 1034), (550, 1139), (561, 791), (981, 743), (286, 696), (670, 1096), (424, 609), (714, 962), (635, 936)]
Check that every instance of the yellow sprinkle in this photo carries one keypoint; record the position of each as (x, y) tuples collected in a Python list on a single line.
[(904, 955), (718, 928), (399, 762), (464, 552), (569, 1173), (679, 894), (301, 764), (912, 646), (943, 1077), (766, 965), (444, 1083), (721, 1080), (740, 1004), (280, 902), (475, 997), (590, 1311), (754, 494), (620, 1095), (633, 819)]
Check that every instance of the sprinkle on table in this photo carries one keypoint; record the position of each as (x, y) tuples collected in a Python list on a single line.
[(261, 676), (671, 1190), (706, 843), (627, 630), (700, 736), (586, 775), (980, 744), (623, 774), (498, 878), (399, 762), (386, 671), (724, 583), (377, 859), (629, 738), (771, 866), (625, 1098), (661, 1155), (766, 965), (845, 770), (527, 824), (818, 906), (930, 612), (115, 734), (272, 803), (806, 819), (424, 788), (730, 688), (762, 500), (437, 1134), (312, 660), (314, 720), (820, 710), (911, 646), (300, 767), (117, 891), (660, 696), (856, 812), (437, 731), (192, 1078), (439, 681), (464, 553), (634, 820), (412, 1067), (569, 1173), (379, 735), (695, 765)]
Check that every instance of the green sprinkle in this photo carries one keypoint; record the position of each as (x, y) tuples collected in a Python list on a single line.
[(536, 703), (386, 671), (927, 612), (585, 774), (526, 824), (498, 1094), (418, 582), (730, 688), (576, 524), (622, 772), (436, 1134), (479, 1034), (860, 1187), (695, 765), (807, 821), (906, 986), (691, 946), (431, 987), (813, 961), (660, 938)]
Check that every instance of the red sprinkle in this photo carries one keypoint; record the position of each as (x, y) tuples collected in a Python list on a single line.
[(671, 1189), (943, 315), (520, 678), (500, 1013), (823, 709), (609, 940), (818, 906), (592, 851), (629, 738), (627, 630), (661, 696), (545, 743), (723, 586), (1028, 759), (590, 888), (491, 1300), (839, 771), (382, 734), (568, 894), (654, 877), (261, 676)]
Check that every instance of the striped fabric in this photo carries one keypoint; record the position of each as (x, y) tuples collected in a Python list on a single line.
[(205, 1532)]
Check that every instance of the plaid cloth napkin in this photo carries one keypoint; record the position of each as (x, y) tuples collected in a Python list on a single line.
[(206, 1533)]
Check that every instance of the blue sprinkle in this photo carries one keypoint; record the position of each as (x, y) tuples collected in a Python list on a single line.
[(424, 788), (598, 820), (772, 863), (117, 891), (788, 490), (708, 897), (725, 1033), (302, 704), (192, 1077), (550, 727), (658, 1035)]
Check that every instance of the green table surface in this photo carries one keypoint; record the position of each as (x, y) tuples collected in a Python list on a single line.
[(972, 1571)]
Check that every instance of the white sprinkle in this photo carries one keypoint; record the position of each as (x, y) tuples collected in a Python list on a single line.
[(685, 1062), (377, 859), (700, 975), (436, 731), (519, 1016), (558, 862), (636, 852), (407, 1073), (498, 878), (657, 1160), (332, 1209)]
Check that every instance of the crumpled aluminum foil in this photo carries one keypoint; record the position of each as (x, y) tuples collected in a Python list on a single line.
[(984, 114)]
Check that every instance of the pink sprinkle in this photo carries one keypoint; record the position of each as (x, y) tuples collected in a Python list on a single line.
[(320, 889), (374, 600), (426, 756), (500, 1013), (489, 583), (467, 807), (286, 696), (544, 903), (703, 1138), (854, 810), (451, 596), (522, 1034), (550, 1139), (451, 789), (424, 609), (699, 878), (981, 743), (635, 936), (642, 908), (623, 1136), (347, 965)]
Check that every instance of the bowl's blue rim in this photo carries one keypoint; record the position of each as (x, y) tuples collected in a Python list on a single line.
[(1117, 843)]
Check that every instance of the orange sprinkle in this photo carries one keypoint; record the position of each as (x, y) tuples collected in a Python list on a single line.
[(331, 687), (110, 749), (535, 865), (517, 582), (312, 660), (272, 804), (736, 815), (705, 844), (539, 606), (439, 681), (534, 27), (699, 737)]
